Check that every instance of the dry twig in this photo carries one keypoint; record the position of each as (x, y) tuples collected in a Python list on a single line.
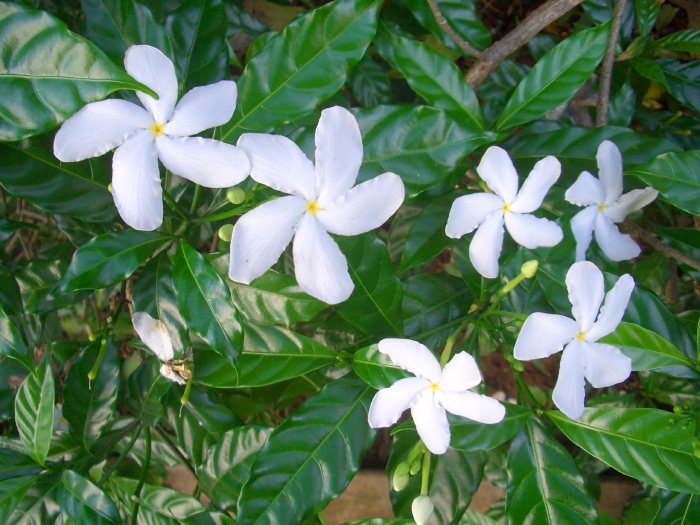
[(601, 117), (659, 245)]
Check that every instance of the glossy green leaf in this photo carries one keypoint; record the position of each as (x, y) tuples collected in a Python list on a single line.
[(544, 484), (677, 509), (90, 405), (622, 105), (421, 144), (687, 41), (12, 491), (368, 83), (209, 313), (686, 240), (647, 11), (38, 506), (270, 354), (41, 87), (375, 304), (78, 189), (650, 445), (109, 259), (115, 25), (10, 296), (556, 77), (469, 435), (154, 294), (198, 32), (14, 464), (498, 87), (227, 465), (683, 80), (12, 341), (472, 517), (303, 59), (332, 431), (676, 176), (37, 280), (649, 69), (647, 350), (380, 521), (435, 78), (376, 369), (85, 502), (145, 388), (34, 411)]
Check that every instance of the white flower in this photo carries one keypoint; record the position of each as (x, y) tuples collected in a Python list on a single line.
[(605, 205), (489, 211), (422, 508), (321, 200), (431, 392), (603, 365), (155, 336), (160, 131)]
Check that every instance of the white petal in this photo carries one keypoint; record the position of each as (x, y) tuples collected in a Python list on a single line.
[(431, 423), (498, 172), (261, 235), (543, 335), (570, 391), (486, 246), (338, 153), (98, 128), (154, 335), (582, 225), (533, 232), (460, 374), (136, 183), (168, 373), (279, 163), (616, 246), (389, 403), (320, 267), (629, 202), (605, 365), (365, 207), (202, 108), (613, 309), (586, 291), (610, 170), (412, 356), (422, 508), (469, 211), (585, 191), (209, 163), (476, 407), (152, 68), (535, 188)]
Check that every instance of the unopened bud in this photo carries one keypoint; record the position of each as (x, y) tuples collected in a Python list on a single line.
[(236, 195), (529, 269), (415, 467), (225, 232), (422, 508), (109, 187), (401, 477)]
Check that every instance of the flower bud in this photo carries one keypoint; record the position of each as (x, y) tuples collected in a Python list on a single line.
[(401, 477), (225, 232), (422, 508), (415, 467), (236, 195), (529, 269)]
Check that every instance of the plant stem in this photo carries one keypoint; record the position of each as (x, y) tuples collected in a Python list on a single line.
[(174, 206), (447, 28), (121, 457), (176, 450), (195, 198), (425, 471), (660, 245), (601, 117), (142, 480)]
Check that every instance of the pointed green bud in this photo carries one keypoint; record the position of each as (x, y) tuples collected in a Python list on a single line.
[(236, 195), (529, 269), (225, 232), (401, 477), (415, 467)]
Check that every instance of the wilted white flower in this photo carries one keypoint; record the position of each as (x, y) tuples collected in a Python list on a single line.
[(321, 200), (155, 336), (160, 131), (605, 206), (545, 334), (433, 391), (506, 205)]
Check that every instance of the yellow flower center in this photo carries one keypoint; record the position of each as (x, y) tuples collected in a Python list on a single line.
[(434, 387), (601, 207), (581, 337), (157, 129), (506, 208), (312, 207)]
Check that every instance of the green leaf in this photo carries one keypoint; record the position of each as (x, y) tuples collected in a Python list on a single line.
[(649, 69), (650, 445), (647, 350), (471, 517), (227, 465), (12, 342), (41, 86), (37, 279), (368, 83), (377, 369), (85, 502), (15, 464), (686, 240), (154, 294), (556, 77), (424, 145), (622, 105), (303, 59), (375, 303), (146, 387), (687, 41), (683, 81), (34, 410), (646, 11), (270, 354), (109, 259), (115, 25), (89, 406), (198, 32), (78, 189), (330, 430), (544, 484), (12, 492), (209, 312), (38, 506), (469, 435), (677, 509), (10, 296), (436, 78), (676, 176)]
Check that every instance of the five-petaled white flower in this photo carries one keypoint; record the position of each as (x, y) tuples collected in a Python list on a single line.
[(155, 336), (160, 131), (431, 392), (605, 205), (603, 365), (321, 200), (489, 211)]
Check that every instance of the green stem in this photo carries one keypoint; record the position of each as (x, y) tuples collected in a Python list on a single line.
[(426, 473), (195, 199), (174, 206), (92, 374), (121, 457), (186, 396), (142, 480), (176, 451), (503, 313), (525, 391), (239, 210)]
